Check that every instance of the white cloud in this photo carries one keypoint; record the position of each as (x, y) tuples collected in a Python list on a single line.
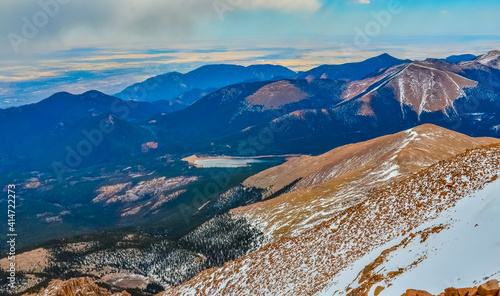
[(359, 2), (286, 5), (87, 23)]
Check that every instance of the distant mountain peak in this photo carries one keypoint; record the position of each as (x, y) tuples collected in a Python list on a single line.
[(93, 93), (58, 96), (173, 85), (494, 52), (385, 56), (61, 99), (490, 59), (442, 87), (460, 58), (353, 71), (277, 94)]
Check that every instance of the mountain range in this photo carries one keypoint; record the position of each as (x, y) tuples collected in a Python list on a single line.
[(325, 113), (253, 110), (59, 124), (184, 89), (353, 71)]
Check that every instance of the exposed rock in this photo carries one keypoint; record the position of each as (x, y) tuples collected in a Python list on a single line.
[(76, 287), (149, 146), (412, 292), (451, 292), (107, 193), (126, 193), (467, 291), (489, 288)]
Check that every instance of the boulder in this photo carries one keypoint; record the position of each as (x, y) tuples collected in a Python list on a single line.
[(460, 292), (489, 288), (467, 291), (412, 292), (451, 292)]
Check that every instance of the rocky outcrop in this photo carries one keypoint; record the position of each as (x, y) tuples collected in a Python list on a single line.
[(490, 288), (412, 292), (76, 287)]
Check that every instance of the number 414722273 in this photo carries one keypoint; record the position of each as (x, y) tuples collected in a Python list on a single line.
[(11, 209)]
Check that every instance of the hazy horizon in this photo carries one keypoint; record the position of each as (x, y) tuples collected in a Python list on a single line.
[(73, 45)]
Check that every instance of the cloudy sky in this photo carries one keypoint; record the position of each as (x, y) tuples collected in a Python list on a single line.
[(76, 45)]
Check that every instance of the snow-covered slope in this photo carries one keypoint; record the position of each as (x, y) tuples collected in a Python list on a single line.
[(426, 213), (462, 249), (328, 183), (490, 59)]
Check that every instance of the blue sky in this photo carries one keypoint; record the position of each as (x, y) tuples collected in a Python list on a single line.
[(78, 45)]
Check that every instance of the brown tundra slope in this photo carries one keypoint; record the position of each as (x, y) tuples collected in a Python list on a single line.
[(432, 230), (346, 175), (424, 86)]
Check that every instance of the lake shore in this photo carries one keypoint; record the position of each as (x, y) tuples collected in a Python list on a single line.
[(197, 160)]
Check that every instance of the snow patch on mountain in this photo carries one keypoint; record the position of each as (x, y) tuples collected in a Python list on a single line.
[(490, 59), (464, 253)]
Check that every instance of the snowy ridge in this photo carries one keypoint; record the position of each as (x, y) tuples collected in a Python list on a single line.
[(490, 59), (316, 260), (345, 176)]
